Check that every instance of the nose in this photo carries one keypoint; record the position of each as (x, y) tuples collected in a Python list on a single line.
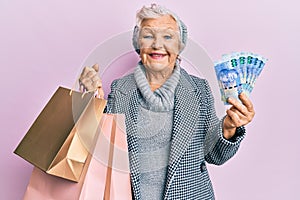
[(157, 43)]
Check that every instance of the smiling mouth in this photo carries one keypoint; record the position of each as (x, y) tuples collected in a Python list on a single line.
[(157, 55)]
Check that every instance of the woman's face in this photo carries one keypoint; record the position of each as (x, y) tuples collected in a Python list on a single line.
[(159, 43)]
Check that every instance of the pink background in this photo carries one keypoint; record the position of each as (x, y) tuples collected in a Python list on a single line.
[(44, 43)]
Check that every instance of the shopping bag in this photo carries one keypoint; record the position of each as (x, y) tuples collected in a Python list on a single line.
[(106, 173), (108, 176), (48, 187), (59, 140)]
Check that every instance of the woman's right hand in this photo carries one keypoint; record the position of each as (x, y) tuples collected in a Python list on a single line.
[(89, 80)]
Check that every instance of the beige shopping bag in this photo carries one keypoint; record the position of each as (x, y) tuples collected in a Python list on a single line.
[(59, 140)]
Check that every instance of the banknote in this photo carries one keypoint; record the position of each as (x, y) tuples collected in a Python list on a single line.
[(228, 80), (237, 72), (259, 65)]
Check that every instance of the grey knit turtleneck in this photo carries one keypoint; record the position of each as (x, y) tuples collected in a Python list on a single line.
[(162, 99), (155, 120)]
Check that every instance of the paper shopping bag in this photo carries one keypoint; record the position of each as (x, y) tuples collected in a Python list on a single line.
[(47, 187), (108, 175), (105, 175), (54, 142)]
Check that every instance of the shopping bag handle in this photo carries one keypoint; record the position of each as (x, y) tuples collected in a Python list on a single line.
[(110, 160), (96, 91)]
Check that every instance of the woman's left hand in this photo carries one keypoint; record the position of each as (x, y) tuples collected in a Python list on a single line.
[(238, 115)]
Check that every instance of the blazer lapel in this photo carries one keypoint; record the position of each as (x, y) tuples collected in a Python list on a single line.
[(131, 113), (133, 145), (186, 113)]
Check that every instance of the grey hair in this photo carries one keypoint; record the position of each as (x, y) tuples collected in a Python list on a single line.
[(155, 11)]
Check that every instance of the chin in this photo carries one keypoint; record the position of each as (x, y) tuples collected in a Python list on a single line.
[(158, 66)]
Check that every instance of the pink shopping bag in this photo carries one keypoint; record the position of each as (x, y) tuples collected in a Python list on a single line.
[(48, 187), (109, 167)]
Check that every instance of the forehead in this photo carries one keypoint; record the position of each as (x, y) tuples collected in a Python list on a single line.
[(165, 21)]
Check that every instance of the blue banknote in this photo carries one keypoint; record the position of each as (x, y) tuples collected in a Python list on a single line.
[(229, 80)]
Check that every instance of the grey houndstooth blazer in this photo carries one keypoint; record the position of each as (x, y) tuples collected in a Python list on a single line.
[(196, 136)]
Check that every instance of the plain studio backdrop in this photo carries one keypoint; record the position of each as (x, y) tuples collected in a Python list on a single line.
[(43, 45)]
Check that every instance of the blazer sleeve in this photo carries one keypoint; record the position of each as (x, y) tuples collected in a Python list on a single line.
[(217, 149)]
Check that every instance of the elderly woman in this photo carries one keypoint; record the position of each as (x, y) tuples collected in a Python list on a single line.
[(172, 127)]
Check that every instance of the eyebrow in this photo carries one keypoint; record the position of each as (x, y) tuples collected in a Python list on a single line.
[(153, 27)]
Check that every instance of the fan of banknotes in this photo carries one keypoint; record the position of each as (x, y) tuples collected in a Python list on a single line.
[(237, 72)]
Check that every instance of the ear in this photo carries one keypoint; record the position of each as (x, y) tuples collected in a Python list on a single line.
[(181, 46), (178, 58)]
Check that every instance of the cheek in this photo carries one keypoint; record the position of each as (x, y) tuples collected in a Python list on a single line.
[(172, 47), (143, 48), (172, 59), (144, 44)]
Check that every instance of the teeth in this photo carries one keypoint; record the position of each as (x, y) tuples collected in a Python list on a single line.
[(157, 55)]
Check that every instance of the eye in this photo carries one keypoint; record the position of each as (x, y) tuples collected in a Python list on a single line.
[(168, 37), (147, 36)]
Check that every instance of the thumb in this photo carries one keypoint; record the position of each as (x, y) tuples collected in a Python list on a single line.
[(96, 67)]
